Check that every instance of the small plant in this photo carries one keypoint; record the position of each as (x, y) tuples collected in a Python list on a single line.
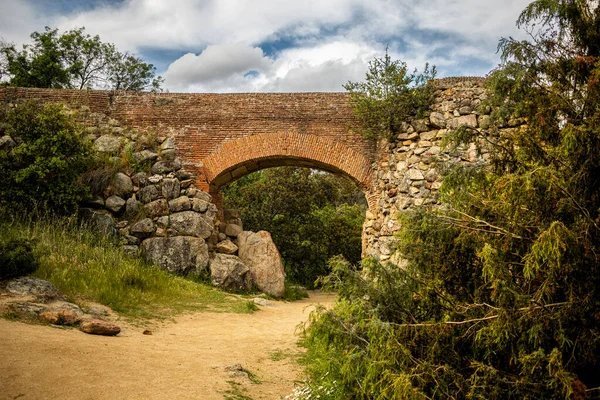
[(17, 258), (236, 392), (390, 96)]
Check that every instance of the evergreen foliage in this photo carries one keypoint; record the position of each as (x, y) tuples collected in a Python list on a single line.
[(388, 96), (75, 60), (311, 216), (44, 167), (499, 297)]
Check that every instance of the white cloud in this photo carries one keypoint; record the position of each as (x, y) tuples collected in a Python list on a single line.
[(18, 20), (332, 40), (217, 63), (224, 68)]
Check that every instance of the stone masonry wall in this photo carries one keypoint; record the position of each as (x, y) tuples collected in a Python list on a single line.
[(407, 170)]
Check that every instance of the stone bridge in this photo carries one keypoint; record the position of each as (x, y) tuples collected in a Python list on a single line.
[(222, 137)]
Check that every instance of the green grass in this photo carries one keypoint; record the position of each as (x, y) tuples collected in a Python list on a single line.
[(235, 392), (280, 355), (87, 267), (294, 292)]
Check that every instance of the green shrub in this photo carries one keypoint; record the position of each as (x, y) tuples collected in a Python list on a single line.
[(17, 258), (45, 166)]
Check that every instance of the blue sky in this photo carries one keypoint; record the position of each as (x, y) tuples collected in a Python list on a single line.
[(279, 45)]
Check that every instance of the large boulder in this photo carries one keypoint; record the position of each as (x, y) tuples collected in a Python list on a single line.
[(199, 194), (260, 254), (166, 166), (108, 144), (226, 247), (148, 194), (157, 208), (190, 223), (170, 188), (233, 230), (178, 254), (229, 272), (115, 204), (143, 229)]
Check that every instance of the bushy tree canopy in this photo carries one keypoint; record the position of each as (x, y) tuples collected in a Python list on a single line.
[(500, 296), (76, 60), (311, 216)]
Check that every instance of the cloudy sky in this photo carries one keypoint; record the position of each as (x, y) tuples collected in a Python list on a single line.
[(279, 45)]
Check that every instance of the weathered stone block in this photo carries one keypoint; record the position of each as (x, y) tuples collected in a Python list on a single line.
[(157, 208), (229, 272), (180, 204), (190, 223), (178, 254), (170, 188), (115, 204), (143, 229)]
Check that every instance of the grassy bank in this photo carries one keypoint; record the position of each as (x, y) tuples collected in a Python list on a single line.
[(85, 266)]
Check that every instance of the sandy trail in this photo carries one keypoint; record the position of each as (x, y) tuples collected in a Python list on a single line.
[(180, 360)]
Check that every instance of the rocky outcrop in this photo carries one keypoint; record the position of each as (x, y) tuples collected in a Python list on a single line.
[(157, 213), (38, 301), (229, 272), (29, 285), (262, 258)]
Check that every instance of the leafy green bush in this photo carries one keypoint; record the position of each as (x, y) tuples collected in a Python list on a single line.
[(17, 258), (45, 166)]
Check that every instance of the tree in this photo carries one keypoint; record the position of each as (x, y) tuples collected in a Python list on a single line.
[(388, 96), (43, 168), (311, 216), (85, 57), (500, 294), (76, 60), (128, 72), (39, 64)]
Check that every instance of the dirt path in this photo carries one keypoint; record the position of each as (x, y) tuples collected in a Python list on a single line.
[(181, 360)]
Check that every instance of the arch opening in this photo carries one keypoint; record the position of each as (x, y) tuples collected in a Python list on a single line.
[(238, 157), (311, 215)]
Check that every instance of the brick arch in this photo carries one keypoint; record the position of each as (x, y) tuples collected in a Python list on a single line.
[(238, 157)]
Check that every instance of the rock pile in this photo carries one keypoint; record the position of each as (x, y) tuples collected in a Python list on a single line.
[(160, 215), (157, 212)]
